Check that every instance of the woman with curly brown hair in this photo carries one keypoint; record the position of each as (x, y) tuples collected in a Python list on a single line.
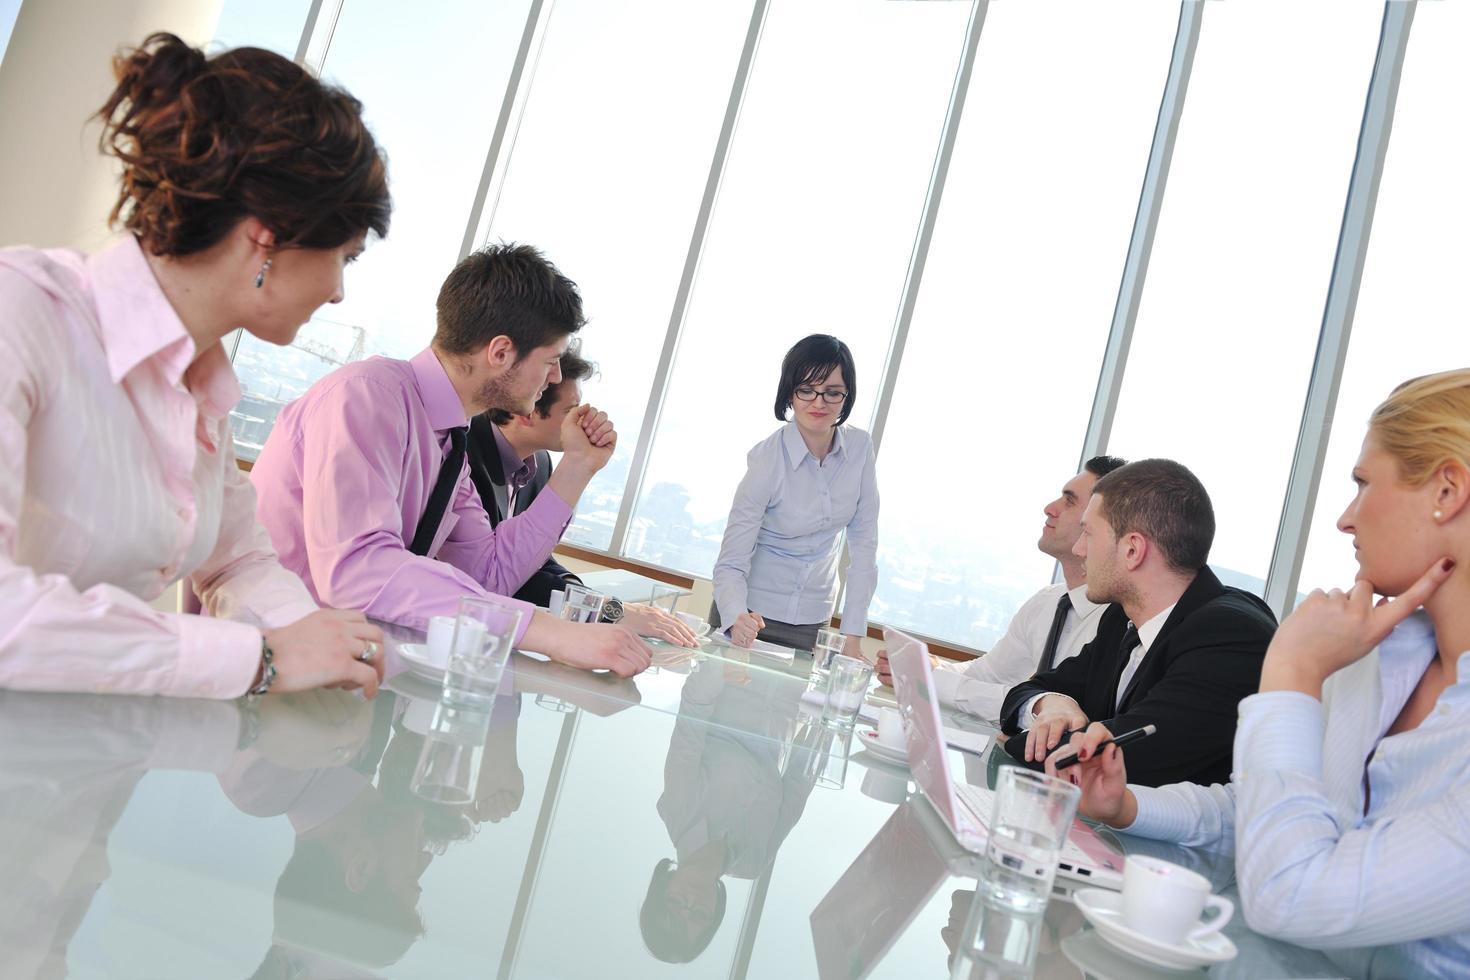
[(247, 187)]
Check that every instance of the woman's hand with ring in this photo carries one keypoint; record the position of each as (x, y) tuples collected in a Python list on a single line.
[(329, 648)]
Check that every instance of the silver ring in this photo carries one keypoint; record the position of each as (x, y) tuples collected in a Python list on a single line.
[(368, 652)]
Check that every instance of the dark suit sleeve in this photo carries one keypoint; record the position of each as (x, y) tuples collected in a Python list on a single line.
[(1215, 661), (550, 577), (1071, 677)]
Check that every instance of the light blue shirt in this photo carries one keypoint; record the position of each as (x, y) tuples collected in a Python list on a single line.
[(784, 536), (1318, 862)]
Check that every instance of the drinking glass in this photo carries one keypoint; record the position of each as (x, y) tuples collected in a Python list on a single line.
[(582, 605), (847, 685), (484, 631), (666, 597), (1032, 817), (997, 944), (819, 754), (1033, 814), (828, 645), (454, 746)]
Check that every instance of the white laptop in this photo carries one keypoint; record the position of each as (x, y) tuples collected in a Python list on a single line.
[(967, 809)]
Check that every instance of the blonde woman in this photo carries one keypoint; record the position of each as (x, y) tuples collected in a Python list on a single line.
[(1349, 805)]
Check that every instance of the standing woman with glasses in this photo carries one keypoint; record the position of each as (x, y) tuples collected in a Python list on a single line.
[(804, 485), (247, 187)]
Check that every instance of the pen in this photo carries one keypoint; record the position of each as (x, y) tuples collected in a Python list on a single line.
[(1127, 738)]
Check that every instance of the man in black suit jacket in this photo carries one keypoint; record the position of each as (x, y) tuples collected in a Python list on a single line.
[(510, 462), (1177, 650)]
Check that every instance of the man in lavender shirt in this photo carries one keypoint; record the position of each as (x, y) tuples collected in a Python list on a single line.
[(347, 473)]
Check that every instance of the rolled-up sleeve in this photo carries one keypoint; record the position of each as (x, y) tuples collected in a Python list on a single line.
[(504, 557)]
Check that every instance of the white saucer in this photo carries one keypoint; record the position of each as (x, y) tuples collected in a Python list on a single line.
[(416, 655), (883, 753), (1091, 954), (1104, 909)]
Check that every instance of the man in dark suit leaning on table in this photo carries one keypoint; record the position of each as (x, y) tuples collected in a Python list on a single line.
[(1177, 650), (510, 461)]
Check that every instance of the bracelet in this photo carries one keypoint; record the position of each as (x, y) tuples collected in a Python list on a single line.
[(267, 669)]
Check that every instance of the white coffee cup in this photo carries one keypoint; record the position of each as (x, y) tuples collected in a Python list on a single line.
[(441, 635), (890, 730), (696, 625), (1164, 901)]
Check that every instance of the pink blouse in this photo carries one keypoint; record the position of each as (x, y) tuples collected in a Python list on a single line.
[(117, 479)]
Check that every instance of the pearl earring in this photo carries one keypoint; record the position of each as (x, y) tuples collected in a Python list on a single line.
[(1439, 515), (260, 276)]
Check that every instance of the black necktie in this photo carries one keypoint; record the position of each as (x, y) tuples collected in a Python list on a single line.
[(443, 492), (1131, 640), (1054, 635)]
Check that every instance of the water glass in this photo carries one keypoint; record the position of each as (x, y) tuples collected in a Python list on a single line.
[(1033, 815), (666, 597), (819, 755), (484, 631), (829, 644), (448, 769), (847, 686), (997, 944), (582, 605)]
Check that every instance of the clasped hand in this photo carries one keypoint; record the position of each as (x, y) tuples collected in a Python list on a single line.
[(1055, 715)]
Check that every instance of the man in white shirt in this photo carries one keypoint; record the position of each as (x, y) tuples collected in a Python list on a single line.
[(1050, 627)]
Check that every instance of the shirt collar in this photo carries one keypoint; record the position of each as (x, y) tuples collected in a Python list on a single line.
[(517, 471), (437, 392), (1149, 631), (1080, 603), (796, 450), (138, 323), (1404, 655)]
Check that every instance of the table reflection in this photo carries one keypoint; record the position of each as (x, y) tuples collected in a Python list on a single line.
[(158, 837), (728, 803), (349, 895)]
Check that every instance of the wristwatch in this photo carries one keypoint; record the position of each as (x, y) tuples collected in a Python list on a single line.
[(612, 610)]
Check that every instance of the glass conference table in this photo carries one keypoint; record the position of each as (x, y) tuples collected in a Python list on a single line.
[(666, 825)]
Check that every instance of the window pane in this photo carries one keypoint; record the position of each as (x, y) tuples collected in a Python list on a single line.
[(1413, 311), (610, 163), (1232, 308), (1002, 358), (812, 233), (275, 25), (431, 80), (9, 10)]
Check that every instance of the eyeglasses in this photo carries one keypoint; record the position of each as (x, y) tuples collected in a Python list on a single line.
[(832, 396)]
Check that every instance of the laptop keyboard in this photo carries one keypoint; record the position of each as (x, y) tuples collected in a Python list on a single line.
[(978, 800)]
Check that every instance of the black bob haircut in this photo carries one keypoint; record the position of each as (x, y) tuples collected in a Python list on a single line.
[(811, 360)]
